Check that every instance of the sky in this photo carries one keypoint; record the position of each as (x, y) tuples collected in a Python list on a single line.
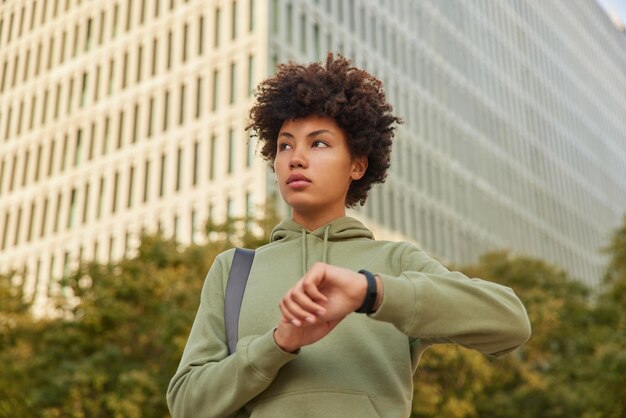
[(617, 6)]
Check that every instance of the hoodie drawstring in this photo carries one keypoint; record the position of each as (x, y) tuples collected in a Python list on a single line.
[(324, 249), (303, 246)]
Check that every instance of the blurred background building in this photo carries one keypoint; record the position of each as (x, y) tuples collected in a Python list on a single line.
[(123, 115)]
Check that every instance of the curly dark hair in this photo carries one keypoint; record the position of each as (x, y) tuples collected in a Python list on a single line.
[(351, 96)]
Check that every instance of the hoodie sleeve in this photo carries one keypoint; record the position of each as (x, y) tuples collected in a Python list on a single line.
[(438, 306), (209, 382)]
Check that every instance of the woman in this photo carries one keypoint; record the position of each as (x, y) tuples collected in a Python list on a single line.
[(303, 351)]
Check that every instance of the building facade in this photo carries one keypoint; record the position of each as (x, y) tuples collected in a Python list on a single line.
[(125, 115)]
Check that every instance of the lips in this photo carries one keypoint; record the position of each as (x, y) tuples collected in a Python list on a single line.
[(298, 178)]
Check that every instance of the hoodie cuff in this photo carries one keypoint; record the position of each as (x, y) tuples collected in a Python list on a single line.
[(399, 302), (264, 356)]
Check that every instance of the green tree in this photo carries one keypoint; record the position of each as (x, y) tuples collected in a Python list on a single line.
[(456, 382), (116, 342)]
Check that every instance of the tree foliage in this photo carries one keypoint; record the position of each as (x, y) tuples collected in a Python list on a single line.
[(115, 343), (573, 365), (112, 347)]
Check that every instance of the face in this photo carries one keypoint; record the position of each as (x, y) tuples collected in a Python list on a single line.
[(314, 168)]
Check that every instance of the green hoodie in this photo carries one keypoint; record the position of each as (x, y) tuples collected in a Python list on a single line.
[(364, 367)]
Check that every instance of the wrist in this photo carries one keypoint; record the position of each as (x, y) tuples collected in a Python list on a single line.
[(371, 294), (282, 344), (379, 293)]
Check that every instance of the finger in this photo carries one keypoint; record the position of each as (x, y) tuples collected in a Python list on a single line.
[(299, 295), (287, 315), (314, 293), (297, 312)]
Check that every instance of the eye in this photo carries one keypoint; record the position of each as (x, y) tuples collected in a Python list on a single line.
[(283, 146), (319, 144)]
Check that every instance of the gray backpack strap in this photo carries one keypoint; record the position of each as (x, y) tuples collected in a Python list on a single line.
[(237, 279)]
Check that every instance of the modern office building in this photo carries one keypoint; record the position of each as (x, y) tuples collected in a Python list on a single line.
[(128, 114)]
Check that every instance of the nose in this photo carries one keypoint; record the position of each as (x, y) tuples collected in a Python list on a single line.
[(298, 159)]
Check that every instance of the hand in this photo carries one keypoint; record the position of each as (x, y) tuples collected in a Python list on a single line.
[(290, 337), (325, 292)]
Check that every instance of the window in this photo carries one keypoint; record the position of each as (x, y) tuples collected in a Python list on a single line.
[(250, 149), (150, 116), (215, 97), (146, 180), (50, 52), (25, 168), (185, 42), (8, 128), (31, 215), (250, 15), (162, 178), (64, 153), (83, 90), (216, 26), (290, 23), (231, 150), (129, 14), (88, 37), (181, 106), (105, 136), (2, 164), (115, 17), (233, 24), (198, 96), (57, 213), (124, 69), (135, 123), (33, 106), (85, 204), (18, 224), (4, 75), (193, 225), (120, 129), (7, 218), (131, 182), (303, 33), (44, 213), (100, 197), (212, 146), (169, 50), (166, 106), (63, 43), (154, 56), (196, 156), (250, 74), (13, 169), (139, 63), (72, 212), (233, 83), (275, 16), (116, 179), (179, 168), (51, 158), (26, 65), (37, 165), (142, 12), (79, 148), (20, 114), (37, 60), (75, 43), (201, 35)]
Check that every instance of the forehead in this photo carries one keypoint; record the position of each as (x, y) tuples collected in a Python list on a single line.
[(311, 123)]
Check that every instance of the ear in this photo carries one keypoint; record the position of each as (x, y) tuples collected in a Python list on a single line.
[(359, 167)]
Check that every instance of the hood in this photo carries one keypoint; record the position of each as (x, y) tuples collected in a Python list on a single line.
[(340, 229)]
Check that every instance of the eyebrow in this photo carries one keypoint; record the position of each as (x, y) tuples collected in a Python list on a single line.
[(310, 134)]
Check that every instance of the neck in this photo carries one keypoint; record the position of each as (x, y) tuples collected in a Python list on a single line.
[(312, 221)]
